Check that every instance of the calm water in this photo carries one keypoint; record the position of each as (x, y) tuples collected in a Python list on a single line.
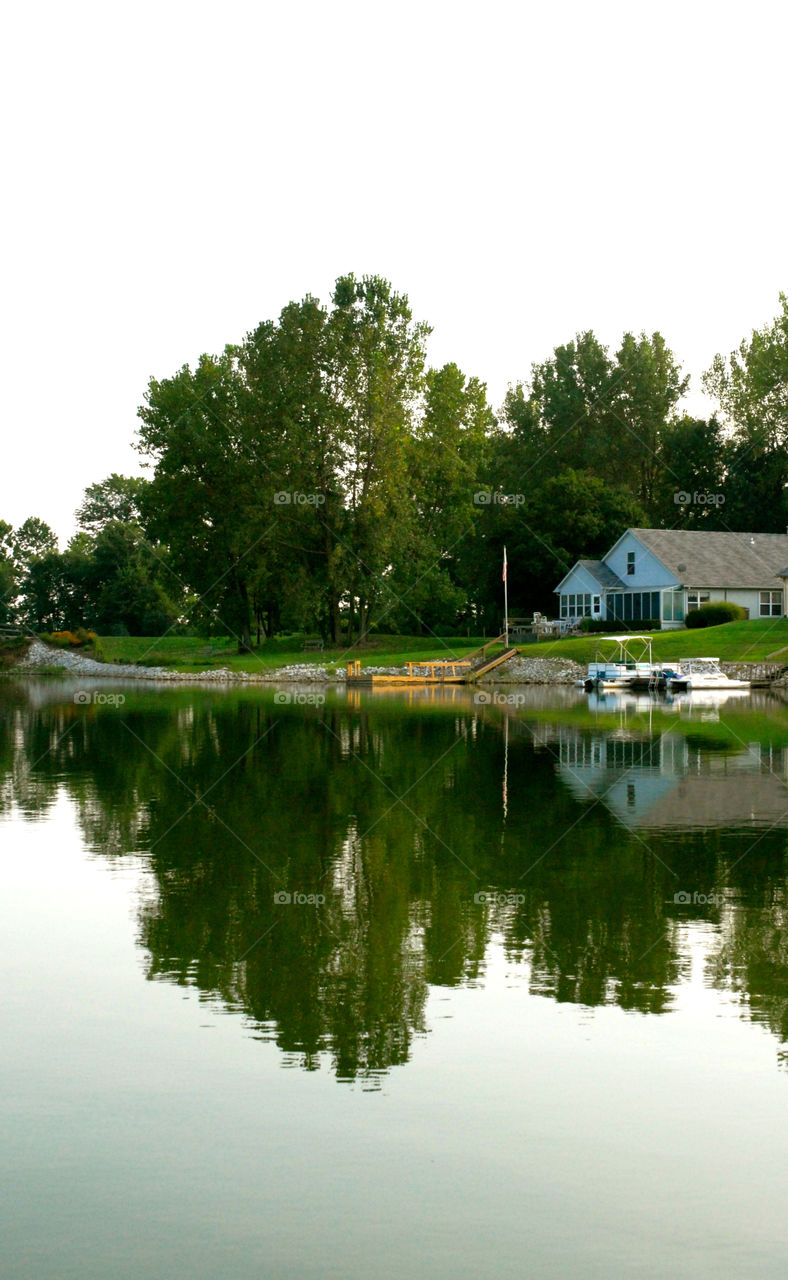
[(392, 985)]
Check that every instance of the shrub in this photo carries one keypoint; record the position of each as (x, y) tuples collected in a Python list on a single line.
[(714, 613), (69, 639)]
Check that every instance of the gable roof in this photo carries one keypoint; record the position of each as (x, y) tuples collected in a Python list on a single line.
[(603, 574), (718, 559)]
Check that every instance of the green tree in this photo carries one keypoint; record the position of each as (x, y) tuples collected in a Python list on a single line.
[(648, 388), (8, 585), (295, 451), (33, 538), (752, 385), (116, 498), (37, 567), (692, 461), (376, 375), (198, 502), (446, 453), (589, 412), (573, 393)]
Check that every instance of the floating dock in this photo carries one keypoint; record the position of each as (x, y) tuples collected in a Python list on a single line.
[(438, 671)]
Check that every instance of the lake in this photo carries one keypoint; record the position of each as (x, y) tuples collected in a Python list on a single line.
[(430, 983)]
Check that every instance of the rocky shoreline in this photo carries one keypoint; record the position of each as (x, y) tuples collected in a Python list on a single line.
[(41, 657), (534, 671)]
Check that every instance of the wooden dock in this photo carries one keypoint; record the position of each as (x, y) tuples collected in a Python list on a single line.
[(437, 671)]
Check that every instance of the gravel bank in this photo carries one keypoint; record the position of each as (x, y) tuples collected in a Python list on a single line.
[(44, 657), (532, 671), (516, 671)]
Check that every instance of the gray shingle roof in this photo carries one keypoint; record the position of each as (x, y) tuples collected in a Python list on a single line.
[(603, 574), (719, 559)]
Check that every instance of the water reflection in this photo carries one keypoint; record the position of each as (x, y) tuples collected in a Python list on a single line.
[(320, 868)]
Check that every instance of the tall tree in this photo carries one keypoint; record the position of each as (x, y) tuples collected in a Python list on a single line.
[(8, 586), (376, 371), (648, 388), (446, 454), (116, 498), (752, 385), (198, 502)]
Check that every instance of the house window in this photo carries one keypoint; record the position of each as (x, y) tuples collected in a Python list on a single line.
[(672, 606), (630, 562), (696, 598), (576, 605), (771, 604), (597, 604)]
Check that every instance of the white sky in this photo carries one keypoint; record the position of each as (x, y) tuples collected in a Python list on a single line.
[(177, 172)]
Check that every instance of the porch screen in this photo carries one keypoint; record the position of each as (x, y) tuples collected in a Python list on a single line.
[(633, 606)]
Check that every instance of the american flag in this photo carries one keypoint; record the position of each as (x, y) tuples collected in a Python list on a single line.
[(503, 575)]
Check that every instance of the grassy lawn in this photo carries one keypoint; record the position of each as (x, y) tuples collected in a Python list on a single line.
[(192, 653), (751, 641)]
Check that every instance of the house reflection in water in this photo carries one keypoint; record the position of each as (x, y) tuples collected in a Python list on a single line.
[(666, 781)]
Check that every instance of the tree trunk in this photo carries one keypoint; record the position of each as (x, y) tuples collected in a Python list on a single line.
[(243, 629)]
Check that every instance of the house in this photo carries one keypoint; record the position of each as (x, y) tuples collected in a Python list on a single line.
[(659, 575)]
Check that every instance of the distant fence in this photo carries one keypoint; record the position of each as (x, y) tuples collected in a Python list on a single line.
[(758, 672)]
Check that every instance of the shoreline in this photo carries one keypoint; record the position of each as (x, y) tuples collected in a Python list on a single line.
[(40, 658)]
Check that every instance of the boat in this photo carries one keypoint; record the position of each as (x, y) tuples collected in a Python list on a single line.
[(696, 674), (626, 665)]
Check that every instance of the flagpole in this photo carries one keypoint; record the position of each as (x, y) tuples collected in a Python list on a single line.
[(505, 601)]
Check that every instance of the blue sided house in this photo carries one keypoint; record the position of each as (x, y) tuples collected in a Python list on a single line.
[(659, 575)]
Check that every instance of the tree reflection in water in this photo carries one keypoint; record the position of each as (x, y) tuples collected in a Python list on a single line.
[(384, 824)]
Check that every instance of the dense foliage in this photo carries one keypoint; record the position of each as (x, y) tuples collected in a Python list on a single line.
[(714, 613), (319, 476)]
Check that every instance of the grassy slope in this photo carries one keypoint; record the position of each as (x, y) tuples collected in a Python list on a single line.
[(751, 641), (734, 641), (190, 653)]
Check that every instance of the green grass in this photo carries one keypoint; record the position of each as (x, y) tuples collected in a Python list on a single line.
[(192, 653), (11, 650), (751, 641)]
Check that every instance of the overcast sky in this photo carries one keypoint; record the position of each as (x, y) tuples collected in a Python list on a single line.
[(177, 172)]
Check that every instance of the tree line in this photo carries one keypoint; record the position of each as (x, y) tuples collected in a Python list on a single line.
[(319, 476)]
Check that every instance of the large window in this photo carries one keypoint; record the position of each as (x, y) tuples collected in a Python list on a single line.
[(633, 606), (672, 606), (696, 598), (576, 606), (771, 604)]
